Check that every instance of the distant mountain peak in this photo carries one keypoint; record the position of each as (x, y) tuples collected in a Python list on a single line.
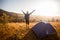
[(2, 10)]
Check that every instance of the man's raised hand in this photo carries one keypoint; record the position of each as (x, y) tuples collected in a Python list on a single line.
[(32, 11)]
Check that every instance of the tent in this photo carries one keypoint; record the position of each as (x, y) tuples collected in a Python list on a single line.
[(42, 29)]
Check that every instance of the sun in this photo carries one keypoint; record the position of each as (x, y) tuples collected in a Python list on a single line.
[(49, 8)]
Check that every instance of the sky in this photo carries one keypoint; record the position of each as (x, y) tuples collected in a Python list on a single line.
[(41, 7)]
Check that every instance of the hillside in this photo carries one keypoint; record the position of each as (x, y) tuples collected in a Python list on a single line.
[(33, 18), (17, 17)]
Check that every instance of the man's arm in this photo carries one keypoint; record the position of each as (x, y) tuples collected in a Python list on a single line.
[(32, 12), (23, 12)]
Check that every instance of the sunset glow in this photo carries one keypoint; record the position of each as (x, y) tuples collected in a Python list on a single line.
[(49, 8)]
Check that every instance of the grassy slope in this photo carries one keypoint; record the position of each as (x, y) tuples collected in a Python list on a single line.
[(18, 31), (57, 27)]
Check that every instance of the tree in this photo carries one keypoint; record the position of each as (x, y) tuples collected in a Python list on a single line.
[(6, 18)]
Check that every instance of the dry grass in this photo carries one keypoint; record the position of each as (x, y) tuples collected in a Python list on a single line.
[(18, 31), (57, 27)]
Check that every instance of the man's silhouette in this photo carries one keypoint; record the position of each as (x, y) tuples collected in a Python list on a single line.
[(27, 17)]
